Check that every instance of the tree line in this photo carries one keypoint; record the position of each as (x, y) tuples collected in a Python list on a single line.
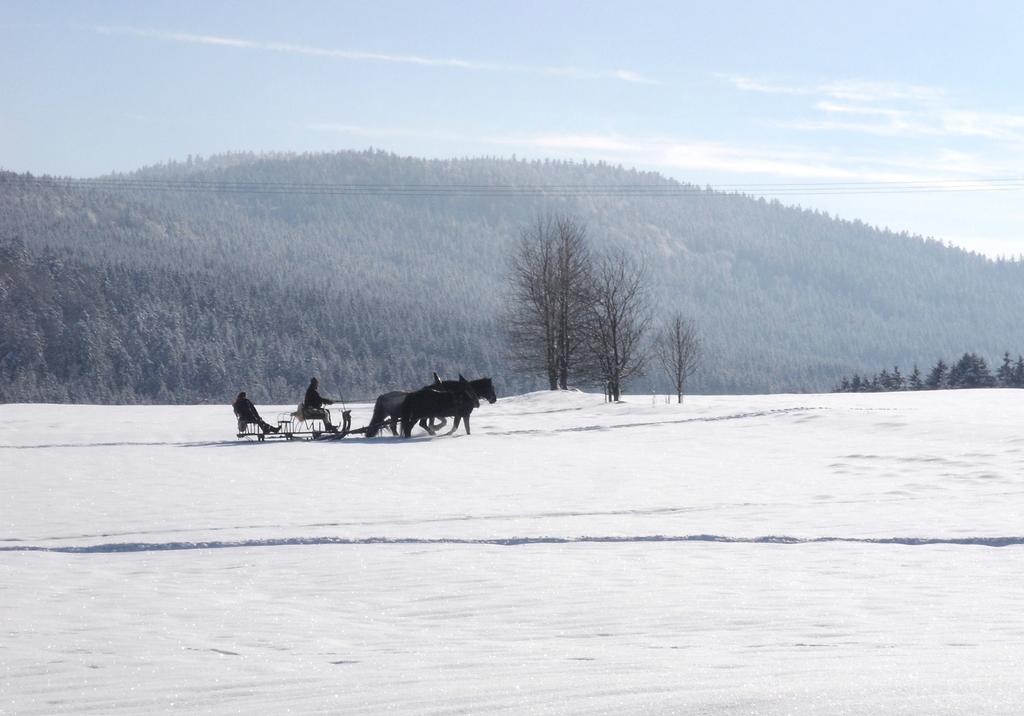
[(970, 371), (74, 332), (378, 291), (577, 316)]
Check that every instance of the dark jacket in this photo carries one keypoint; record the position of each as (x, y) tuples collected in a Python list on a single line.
[(245, 410), (314, 400)]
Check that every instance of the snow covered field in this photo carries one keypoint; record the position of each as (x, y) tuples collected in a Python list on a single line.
[(747, 554)]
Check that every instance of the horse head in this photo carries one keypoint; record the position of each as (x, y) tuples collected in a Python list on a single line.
[(485, 389)]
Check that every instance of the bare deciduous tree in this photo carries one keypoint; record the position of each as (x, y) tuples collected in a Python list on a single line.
[(677, 349), (550, 277), (620, 314)]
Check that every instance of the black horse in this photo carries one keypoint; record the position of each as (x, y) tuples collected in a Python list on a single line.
[(387, 410), (436, 402), (483, 387)]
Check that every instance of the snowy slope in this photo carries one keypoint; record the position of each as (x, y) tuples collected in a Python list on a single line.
[(742, 554)]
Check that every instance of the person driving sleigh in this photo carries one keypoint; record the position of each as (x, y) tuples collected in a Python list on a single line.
[(313, 406)]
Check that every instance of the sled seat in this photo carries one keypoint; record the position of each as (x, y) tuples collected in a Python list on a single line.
[(249, 430)]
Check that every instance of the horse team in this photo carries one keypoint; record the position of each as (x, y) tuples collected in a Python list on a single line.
[(442, 400)]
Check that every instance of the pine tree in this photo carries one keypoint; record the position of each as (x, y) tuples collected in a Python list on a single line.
[(883, 381), (938, 376), (915, 382), (896, 380), (1005, 373), (982, 375), (959, 372), (971, 371)]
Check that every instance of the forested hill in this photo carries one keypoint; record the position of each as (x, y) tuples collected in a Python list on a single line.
[(164, 294)]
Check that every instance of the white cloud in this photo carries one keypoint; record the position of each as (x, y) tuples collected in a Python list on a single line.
[(630, 76), (782, 163), (892, 109), (361, 56), (938, 166), (934, 168), (860, 91), (340, 128), (383, 132), (1003, 128), (836, 108), (743, 160), (888, 128), (574, 142), (751, 85), (850, 90)]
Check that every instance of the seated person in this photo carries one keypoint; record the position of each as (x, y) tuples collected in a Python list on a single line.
[(313, 406), (246, 413)]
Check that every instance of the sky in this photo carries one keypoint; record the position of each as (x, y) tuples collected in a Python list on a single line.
[(851, 108)]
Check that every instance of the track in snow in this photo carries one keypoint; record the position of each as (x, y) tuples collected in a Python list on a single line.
[(116, 547)]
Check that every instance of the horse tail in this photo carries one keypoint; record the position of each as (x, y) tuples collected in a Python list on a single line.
[(377, 420)]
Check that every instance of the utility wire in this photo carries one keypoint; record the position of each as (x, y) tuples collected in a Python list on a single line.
[(664, 190)]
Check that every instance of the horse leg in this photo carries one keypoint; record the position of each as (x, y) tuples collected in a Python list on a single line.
[(393, 424), (426, 426), (455, 425), (466, 419)]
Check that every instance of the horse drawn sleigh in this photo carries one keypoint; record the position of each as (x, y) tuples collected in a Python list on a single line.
[(298, 426), (430, 407)]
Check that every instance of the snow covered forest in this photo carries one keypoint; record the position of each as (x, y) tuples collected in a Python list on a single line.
[(158, 294)]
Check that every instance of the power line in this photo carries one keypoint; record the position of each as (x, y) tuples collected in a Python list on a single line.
[(664, 190)]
